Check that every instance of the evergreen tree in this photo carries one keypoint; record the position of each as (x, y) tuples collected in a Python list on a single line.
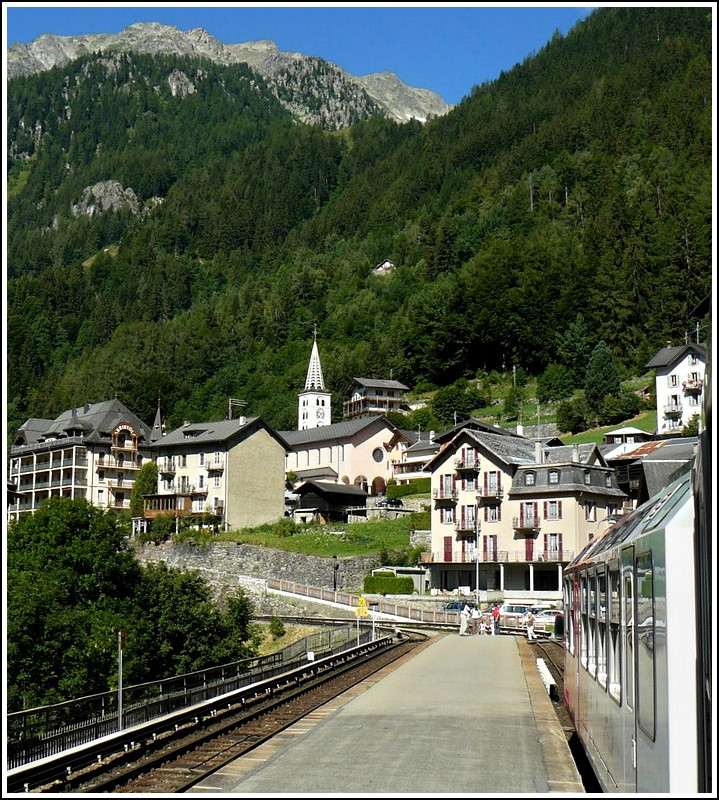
[(602, 378), (145, 483)]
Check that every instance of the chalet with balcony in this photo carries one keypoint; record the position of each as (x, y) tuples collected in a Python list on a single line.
[(232, 469), (92, 452), (679, 372), (368, 396), (508, 512)]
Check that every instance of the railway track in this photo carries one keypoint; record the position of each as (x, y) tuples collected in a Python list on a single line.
[(178, 760)]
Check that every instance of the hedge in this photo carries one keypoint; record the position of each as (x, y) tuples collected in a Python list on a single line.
[(387, 583), (419, 486)]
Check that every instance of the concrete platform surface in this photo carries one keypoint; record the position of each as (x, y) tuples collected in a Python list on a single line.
[(465, 715)]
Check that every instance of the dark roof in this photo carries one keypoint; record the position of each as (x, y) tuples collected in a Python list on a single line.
[(96, 420), (670, 355), (316, 472), (222, 430), (571, 479), (325, 487), (372, 383), (473, 424), (336, 431)]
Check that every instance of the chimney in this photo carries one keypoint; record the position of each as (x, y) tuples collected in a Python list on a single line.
[(575, 453), (86, 407), (669, 344), (431, 436), (538, 453), (242, 420), (185, 423)]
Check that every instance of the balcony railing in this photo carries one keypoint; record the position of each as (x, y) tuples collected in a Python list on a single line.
[(444, 494), (468, 462), (673, 410), (497, 557), (467, 526), (525, 523), (490, 493), (692, 386)]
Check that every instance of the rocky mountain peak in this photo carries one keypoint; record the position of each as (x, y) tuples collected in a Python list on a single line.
[(298, 81)]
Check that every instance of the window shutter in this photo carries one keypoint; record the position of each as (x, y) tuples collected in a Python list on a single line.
[(546, 516), (521, 511), (499, 482), (499, 512), (486, 483), (486, 514), (559, 509)]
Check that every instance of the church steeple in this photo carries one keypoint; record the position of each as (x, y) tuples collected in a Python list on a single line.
[(314, 402), (158, 429), (315, 382)]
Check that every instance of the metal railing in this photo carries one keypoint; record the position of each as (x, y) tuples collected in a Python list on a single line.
[(47, 730), (498, 557)]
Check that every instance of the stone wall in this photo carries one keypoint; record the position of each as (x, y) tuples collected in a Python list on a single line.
[(227, 565)]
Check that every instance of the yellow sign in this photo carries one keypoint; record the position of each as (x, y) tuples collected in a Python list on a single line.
[(361, 607)]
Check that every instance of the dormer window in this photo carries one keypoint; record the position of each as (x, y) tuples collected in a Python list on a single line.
[(587, 477), (529, 479), (554, 476)]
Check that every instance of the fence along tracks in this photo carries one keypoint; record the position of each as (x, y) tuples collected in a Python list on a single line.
[(176, 760)]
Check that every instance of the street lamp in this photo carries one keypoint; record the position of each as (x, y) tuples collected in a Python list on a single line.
[(335, 567)]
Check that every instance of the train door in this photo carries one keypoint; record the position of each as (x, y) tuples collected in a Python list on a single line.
[(627, 782)]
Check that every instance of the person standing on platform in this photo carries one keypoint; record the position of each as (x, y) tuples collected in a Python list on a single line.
[(495, 620), (463, 620), (531, 635), (475, 620)]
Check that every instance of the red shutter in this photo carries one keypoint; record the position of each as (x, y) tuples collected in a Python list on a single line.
[(499, 512), (447, 549), (486, 483), (559, 509), (559, 545), (499, 482), (546, 505), (486, 514)]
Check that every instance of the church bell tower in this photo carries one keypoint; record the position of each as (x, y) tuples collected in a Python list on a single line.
[(314, 402)]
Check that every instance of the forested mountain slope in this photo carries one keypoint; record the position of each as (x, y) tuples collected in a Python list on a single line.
[(578, 182)]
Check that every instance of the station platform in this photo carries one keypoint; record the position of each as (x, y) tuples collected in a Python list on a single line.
[(464, 715)]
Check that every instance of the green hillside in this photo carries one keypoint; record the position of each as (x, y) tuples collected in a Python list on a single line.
[(578, 183)]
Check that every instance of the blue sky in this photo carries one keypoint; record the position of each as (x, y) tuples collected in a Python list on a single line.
[(447, 48)]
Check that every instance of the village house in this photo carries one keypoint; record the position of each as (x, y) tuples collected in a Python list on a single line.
[(92, 452), (679, 382), (232, 469), (509, 512)]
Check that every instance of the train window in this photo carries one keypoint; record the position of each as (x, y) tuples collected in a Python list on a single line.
[(645, 630), (613, 662), (628, 621), (601, 627), (591, 623)]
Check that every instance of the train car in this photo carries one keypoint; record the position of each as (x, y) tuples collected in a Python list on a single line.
[(637, 677)]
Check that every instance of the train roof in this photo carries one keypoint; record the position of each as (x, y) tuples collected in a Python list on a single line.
[(650, 515)]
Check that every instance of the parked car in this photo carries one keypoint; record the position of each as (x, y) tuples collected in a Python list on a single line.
[(456, 606), (512, 615), (389, 502)]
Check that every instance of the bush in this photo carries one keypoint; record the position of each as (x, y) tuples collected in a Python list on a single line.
[(387, 583), (277, 628)]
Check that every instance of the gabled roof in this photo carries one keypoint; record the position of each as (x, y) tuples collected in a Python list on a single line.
[(512, 450), (668, 356), (96, 420), (586, 453), (336, 489), (338, 431), (372, 383), (474, 424), (220, 431)]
